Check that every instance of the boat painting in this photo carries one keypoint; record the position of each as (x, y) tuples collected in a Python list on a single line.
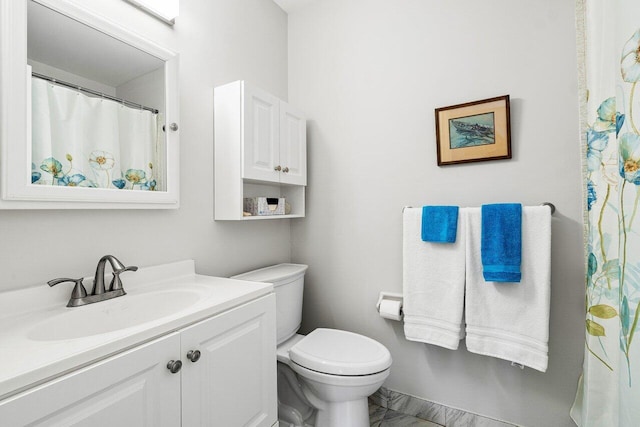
[(472, 131)]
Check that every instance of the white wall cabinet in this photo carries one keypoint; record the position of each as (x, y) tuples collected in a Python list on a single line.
[(260, 150), (231, 383)]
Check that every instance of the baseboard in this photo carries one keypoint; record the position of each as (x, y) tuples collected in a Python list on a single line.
[(430, 411)]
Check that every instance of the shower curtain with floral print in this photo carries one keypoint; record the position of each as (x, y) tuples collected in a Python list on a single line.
[(82, 141), (609, 49)]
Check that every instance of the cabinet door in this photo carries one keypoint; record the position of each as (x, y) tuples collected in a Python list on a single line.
[(133, 388), (293, 145), (233, 383), (260, 140)]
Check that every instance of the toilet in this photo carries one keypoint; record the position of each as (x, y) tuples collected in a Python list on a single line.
[(325, 377)]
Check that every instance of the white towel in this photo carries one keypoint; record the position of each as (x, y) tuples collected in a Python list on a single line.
[(511, 320), (433, 284)]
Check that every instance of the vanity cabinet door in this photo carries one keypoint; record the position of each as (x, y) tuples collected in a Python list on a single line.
[(133, 388), (260, 146), (293, 145), (233, 382)]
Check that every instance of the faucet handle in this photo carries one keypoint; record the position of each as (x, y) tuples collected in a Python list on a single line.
[(129, 268), (116, 283), (78, 290)]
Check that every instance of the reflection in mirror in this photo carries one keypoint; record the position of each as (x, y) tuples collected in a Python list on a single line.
[(97, 107)]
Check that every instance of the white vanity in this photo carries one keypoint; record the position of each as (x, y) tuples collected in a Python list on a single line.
[(178, 349)]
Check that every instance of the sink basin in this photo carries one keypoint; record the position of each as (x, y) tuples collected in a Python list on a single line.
[(117, 314), (42, 339)]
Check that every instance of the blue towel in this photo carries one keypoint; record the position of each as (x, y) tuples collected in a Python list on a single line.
[(439, 224), (501, 242)]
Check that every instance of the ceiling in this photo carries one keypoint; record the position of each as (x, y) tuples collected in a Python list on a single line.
[(292, 5)]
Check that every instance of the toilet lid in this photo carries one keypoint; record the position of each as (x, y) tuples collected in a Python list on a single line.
[(336, 352)]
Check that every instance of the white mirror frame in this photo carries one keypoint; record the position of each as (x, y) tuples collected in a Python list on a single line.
[(17, 192)]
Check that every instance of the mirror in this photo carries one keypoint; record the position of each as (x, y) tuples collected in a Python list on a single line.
[(89, 112)]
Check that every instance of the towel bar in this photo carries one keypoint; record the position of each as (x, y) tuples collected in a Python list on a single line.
[(551, 206)]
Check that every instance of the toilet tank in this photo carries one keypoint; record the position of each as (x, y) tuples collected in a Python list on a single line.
[(288, 284)]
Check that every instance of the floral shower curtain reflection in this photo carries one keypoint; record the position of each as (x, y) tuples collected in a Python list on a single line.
[(81, 141), (609, 389)]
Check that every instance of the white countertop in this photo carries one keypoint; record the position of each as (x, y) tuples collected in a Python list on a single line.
[(40, 338)]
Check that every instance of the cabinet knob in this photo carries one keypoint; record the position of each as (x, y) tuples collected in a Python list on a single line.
[(194, 355), (277, 168), (174, 366), (172, 126), (285, 170)]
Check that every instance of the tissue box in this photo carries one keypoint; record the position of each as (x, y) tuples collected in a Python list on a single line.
[(264, 206)]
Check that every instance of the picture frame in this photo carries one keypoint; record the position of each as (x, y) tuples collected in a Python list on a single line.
[(474, 132)]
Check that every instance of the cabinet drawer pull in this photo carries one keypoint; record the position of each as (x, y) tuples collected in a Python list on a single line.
[(278, 168), (285, 170), (194, 355), (174, 366)]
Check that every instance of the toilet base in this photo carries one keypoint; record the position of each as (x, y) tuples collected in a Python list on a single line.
[(344, 405), (308, 397), (344, 414), (294, 410)]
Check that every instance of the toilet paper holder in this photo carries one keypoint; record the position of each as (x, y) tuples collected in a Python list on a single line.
[(390, 296)]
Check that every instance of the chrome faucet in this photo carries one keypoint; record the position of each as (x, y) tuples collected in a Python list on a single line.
[(116, 283), (98, 293)]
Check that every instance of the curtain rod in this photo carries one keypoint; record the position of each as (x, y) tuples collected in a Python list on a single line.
[(93, 92)]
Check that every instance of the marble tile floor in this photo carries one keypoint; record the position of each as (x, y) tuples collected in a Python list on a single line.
[(384, 417), (389, 408)]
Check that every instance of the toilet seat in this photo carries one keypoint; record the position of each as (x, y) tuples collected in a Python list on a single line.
[(341, 380), (342, 353)]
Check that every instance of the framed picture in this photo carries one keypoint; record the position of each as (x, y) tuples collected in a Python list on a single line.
[(474, 132)]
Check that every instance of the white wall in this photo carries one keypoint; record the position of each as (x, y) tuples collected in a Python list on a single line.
[(147, 90), (65, 76), (218, 41), (369, 74)]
